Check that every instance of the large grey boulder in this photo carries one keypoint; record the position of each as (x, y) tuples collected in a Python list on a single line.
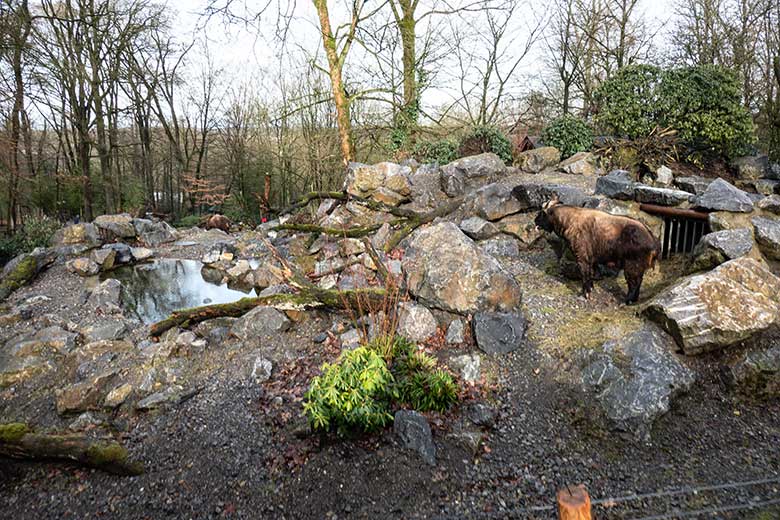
[(445, 269), (635, 378), (495, 201), (154, 234), (23, 268), (416, 322), (756, 373), (533, 195), (538, 159), (522, 227), (768, 236), (661, 196), (499, 332), (120, 225), (468, 173), (363, 179), (106, 296), (124, 253), (426, 183), (770, 204), (259, 323), (751, 167), (84, 233), (478, 228), (617, 184), (721, 246), (720, 308), (581, 163), (414, 432), (693, 184), (720, 195), (502, 246)]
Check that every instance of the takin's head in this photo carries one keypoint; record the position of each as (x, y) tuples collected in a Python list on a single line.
[(542, 220)]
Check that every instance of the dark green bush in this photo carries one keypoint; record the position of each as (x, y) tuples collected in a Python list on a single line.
[(352, 394), (482, 139), (443, 151), (628, 101), (702, 103), (422, 386), (569, 134), (35, 232)]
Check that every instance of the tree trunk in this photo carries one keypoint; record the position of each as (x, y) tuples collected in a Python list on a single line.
[(307, 298), (340, 98)]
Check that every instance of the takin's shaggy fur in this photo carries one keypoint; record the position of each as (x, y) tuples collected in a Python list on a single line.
[(218, 221), (596, 238)]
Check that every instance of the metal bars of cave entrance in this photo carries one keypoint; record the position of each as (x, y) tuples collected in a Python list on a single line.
[(683, 228)]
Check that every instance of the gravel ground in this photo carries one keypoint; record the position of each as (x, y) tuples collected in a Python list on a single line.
[(235, 449)]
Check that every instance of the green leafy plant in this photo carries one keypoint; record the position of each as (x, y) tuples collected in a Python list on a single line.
[(35, 232), (352, 394), (442, 151), (482, 139), (702, 104), (569, 134), (420, 384)]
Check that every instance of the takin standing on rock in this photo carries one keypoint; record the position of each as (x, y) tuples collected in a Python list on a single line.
[(596, 238), (218, 221)]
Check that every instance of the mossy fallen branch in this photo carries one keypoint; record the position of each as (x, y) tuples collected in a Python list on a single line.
[(313, 195), (307, 298), (356, 232), (17, 441)]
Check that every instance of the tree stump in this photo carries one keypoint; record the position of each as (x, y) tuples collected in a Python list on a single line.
[(573, 503)]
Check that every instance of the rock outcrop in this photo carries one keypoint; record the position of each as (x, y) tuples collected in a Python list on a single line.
[(447, 270), (720, 308), (635, 378)]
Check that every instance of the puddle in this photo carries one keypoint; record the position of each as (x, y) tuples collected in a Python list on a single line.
[(154, 290)]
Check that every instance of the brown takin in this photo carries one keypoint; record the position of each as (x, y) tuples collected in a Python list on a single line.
[(597, 238), (218, 222)]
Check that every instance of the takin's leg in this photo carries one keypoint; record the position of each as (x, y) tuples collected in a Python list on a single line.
[(586, 272), (634, 271)]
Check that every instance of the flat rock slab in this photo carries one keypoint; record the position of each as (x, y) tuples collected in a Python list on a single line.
[(693, 184), (617, 184), (634, 379), (661, 196), (499, 332), (715, 310), (534, 195)]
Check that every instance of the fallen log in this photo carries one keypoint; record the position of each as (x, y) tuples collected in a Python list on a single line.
[(18, 442), (356, 232), (306, 299)]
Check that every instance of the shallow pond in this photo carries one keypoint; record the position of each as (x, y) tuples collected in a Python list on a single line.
[(154, 290)]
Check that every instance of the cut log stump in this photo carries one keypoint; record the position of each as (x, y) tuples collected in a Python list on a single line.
[(574, 503)]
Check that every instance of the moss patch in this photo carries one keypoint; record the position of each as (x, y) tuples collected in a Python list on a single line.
[(592, 329), (22, 273), (12, 432)]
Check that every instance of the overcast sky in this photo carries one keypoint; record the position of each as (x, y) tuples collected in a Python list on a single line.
[(249, 53)]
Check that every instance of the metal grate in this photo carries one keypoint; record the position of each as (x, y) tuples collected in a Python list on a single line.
[(683, 228), (681, 235)]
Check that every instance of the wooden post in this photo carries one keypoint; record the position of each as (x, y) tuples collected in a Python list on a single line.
[(573, 503)]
